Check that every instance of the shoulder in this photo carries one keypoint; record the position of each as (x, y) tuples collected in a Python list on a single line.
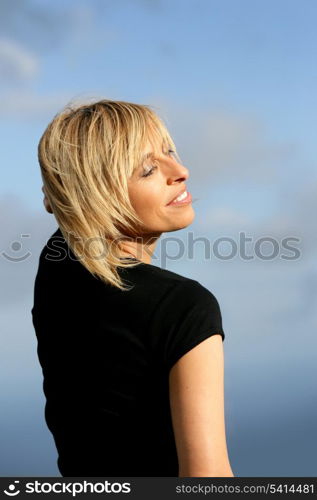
[(178, 285), (193, 301), (185, 301), (161, 274), (195, 292), (174, 292), (184, 317), (188, 292)]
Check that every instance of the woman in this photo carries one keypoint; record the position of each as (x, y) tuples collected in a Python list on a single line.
[(132, 354)]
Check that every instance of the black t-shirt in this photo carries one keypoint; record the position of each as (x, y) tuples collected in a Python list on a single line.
[(106, 355)]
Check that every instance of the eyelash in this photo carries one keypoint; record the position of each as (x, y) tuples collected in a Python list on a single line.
[(154, 167)]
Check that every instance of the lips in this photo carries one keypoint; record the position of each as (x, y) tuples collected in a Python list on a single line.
[(173, 199)]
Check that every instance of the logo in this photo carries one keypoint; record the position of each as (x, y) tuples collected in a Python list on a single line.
[(12, 491)]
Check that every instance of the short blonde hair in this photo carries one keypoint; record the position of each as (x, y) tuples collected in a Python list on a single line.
[(86, 155)]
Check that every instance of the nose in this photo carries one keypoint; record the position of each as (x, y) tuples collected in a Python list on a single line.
[(177, 173)]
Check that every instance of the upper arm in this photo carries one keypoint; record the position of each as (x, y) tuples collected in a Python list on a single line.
[(196, 391)]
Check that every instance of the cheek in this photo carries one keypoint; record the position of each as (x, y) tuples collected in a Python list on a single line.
[(147, 200)]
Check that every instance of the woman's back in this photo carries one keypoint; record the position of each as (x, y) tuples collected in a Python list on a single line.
[(106, 356)]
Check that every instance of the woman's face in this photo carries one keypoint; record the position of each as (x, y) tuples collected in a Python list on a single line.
[(156, 183)]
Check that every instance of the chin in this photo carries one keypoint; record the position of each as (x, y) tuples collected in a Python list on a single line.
[(181, 222)]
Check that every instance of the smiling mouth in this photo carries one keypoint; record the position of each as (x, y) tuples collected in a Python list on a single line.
[(182, 199)]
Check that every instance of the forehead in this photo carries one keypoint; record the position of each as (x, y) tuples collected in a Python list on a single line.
[(155, 143), (153, 148)]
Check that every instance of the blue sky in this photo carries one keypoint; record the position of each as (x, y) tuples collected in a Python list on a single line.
[(236, 83)]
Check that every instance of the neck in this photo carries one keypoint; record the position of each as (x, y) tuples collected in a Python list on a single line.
[(141, 248)]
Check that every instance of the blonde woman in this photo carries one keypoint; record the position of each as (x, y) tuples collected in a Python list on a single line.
[(131, 353)]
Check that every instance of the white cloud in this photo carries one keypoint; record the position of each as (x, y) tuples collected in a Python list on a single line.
[(26, 104), (239, 143), (219, 145), (16, 62)]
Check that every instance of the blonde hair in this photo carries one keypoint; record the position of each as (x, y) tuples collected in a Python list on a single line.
[(86, 155)]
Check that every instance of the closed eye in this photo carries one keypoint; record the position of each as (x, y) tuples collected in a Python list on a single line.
[(150, 171), (171, 151)]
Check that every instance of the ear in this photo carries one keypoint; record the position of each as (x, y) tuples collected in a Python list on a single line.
[(47, 205)]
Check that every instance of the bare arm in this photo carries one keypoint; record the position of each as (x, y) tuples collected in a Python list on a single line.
[(196, 387)]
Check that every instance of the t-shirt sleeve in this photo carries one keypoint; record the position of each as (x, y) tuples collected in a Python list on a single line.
[(192, 315)]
